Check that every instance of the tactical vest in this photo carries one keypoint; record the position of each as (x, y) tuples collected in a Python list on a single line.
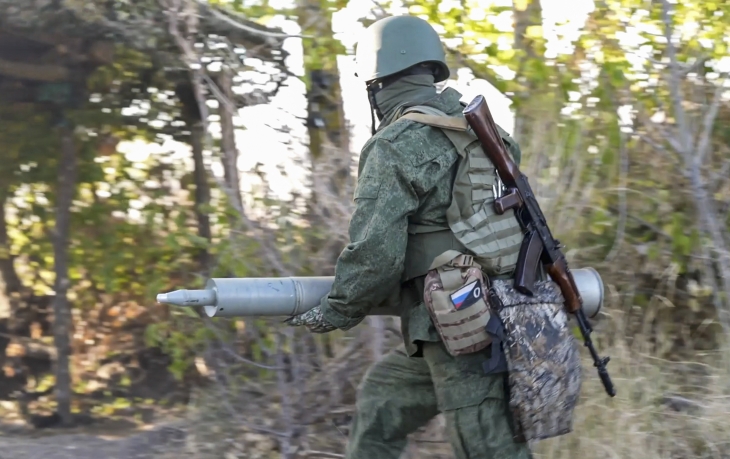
[(493, 240)]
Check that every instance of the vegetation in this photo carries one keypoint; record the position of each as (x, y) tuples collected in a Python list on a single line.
[(121, 177)]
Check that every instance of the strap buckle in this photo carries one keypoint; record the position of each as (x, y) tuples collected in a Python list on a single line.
[(463, 261)]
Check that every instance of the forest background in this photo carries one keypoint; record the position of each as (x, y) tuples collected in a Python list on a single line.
[(150, 145)]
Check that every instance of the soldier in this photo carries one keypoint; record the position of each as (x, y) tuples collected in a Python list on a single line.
[(406, 180)]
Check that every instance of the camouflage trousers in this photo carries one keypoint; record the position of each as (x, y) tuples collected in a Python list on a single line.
[(400, 394)]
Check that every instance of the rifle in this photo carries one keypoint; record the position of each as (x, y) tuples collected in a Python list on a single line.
[(539, 244)]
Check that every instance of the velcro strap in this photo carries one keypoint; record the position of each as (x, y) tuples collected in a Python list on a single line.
[(451, 279)]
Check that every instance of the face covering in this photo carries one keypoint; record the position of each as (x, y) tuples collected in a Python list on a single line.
[(406, 91)]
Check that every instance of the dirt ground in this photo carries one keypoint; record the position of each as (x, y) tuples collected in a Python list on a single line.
[(109, 440)]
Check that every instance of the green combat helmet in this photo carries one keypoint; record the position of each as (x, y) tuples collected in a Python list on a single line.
[(396, 43)]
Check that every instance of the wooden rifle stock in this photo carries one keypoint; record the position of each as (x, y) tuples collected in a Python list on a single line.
[(533, 248), (564, 278), (480, 119), (539, 244)]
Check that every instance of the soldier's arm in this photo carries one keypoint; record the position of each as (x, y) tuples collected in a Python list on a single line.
[(370, 266)]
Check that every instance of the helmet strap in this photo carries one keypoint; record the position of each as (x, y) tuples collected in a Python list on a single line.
[(372, 121), (372, 88)]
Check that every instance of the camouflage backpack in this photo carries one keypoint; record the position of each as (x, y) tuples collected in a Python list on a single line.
[(530, 335), (543, 364)]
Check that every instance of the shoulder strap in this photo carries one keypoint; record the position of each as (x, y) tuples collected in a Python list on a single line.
[(436, 118), (455, 128)]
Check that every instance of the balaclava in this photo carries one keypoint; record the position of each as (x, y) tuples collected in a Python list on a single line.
[(411, 87)]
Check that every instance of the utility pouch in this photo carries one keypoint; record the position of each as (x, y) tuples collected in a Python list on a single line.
[(543, 361), (455, 295)]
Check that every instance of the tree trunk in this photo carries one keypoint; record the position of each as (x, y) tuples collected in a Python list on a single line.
[(329, 142), (326, 116), (693, 155), (537, 105), (191, 114), (529, 101), (709, 225), (202, 194), (228, 139), (61, 313)]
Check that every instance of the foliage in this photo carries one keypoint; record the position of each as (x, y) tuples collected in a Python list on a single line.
[(597, 120)]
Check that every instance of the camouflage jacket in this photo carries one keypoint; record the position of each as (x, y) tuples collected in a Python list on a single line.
[(405, 175)]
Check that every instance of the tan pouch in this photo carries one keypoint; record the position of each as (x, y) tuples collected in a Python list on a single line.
[(455, 295)]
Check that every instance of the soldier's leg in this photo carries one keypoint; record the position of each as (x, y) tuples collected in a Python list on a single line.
[(474, 406), (483, 431), (395, 398)]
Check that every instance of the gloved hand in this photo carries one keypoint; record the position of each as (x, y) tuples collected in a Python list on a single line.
[(313, 320)]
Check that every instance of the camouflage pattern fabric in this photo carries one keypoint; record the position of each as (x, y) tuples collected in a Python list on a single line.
[(542, 358), (404, 177), (313, 320), (405, 174), (400, 394)]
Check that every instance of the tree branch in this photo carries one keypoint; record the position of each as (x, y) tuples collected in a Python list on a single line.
[(709, 223), (703, 143), (223, 17), (674, 84), (623, 207), (172, 10), (35, 72), (716, 179), (664, 132)]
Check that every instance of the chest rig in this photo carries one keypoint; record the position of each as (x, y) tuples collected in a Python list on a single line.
[(492, 240)]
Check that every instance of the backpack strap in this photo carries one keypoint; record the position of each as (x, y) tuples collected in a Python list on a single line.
[(444, 122), (436, 118), (455, 128)]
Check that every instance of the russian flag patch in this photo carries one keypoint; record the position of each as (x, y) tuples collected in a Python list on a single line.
[(467, 295)]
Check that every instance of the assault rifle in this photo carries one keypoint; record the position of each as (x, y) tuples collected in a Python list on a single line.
[(539, 244)]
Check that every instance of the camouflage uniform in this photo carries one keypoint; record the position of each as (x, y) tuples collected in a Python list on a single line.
[(405, 177)]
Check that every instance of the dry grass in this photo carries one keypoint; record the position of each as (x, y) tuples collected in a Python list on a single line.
[(663, 409)]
